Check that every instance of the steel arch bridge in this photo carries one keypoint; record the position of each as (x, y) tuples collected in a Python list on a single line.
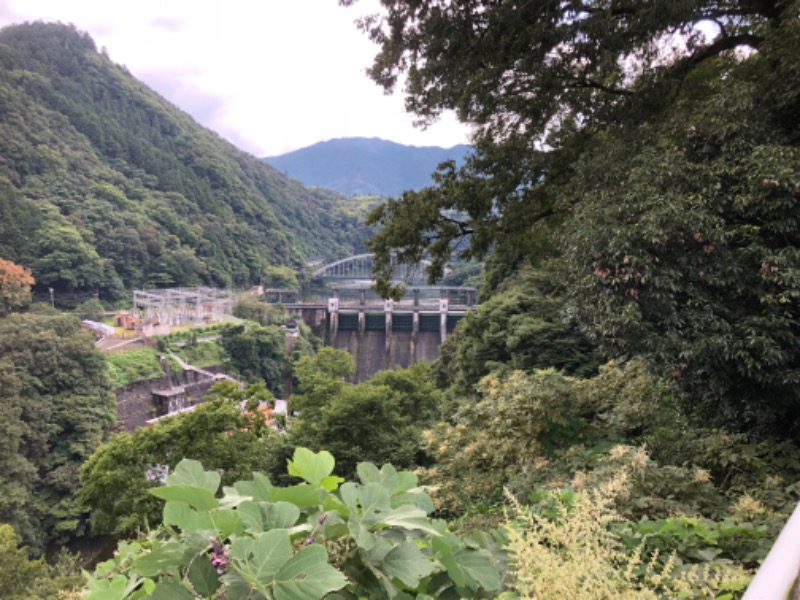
[(360, 267)]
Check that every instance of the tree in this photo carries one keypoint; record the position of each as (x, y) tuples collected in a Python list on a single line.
[(15, 286), (521, 327), (65, 261), (380, 419), (91, 309), (535, 80), (254, 309), (687, 252), (24, 579), (115, 480), (57, 407), (258, 353), (280, 277), (657, 156), (18, 572)]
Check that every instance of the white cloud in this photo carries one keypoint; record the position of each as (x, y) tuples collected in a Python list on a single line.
[(269, 75)]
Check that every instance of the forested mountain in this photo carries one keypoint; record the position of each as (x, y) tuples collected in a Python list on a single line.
[(366, 166), (105, 186)]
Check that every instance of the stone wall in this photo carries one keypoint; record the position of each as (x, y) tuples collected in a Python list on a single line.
[(136, 403)]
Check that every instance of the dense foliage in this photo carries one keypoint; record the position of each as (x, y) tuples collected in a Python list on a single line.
[(105, 186), (257, 353), (379, 420), (25, 579), (116, 479), (520, 327), (261, 541), (653, 146), (56, 408), (636, 185)]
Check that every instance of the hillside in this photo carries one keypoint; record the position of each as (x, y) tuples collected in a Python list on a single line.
[(105, 186), (366, 166)]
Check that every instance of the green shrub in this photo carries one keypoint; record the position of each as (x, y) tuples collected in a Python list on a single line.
[(370, 539), (133, 366)]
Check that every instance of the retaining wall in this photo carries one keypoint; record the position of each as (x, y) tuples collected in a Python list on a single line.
[(136, 402)]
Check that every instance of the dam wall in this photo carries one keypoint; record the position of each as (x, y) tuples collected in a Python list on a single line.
[(371, 352), (384, 334)]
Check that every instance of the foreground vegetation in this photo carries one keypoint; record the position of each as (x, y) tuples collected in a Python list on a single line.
[(618, 420)]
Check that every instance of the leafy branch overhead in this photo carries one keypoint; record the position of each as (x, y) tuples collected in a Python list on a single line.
[(536, 81), (645, 151)]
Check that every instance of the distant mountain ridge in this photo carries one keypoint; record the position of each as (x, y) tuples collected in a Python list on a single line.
[(366, 166)]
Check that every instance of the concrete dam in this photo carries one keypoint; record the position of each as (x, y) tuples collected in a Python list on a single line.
[(382, 335), (388, 340)]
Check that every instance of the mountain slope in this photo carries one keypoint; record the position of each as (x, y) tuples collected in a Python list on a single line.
[(366, 166), (106, 186)]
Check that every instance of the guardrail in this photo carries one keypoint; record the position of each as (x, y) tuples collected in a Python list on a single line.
[(777, 577)]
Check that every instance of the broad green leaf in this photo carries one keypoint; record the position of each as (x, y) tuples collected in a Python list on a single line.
[(477, 564), (190, 472), (301, 496), (307, 576), (362, 537), (258, 489), (117, 588), (281, 515), (203, 576), (416, 498), (332, 504), (252, 517), (407, 563), (238, 588), (477, 568), (331, 482), (406, 481), (351, 496), (444, 554), (263, 556), (313, 467), (408, 517), (194, 496), (379, 550), (171, 590), (232, 498), (168, 557), (374, 498), (226, 522), (186, 518), (368, 473)]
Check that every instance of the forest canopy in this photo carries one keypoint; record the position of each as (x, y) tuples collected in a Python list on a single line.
[(105, 186)]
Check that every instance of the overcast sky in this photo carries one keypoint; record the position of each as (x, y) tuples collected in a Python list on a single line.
[(271, 76)]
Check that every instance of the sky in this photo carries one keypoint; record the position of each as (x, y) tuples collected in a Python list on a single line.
[(270, 76)]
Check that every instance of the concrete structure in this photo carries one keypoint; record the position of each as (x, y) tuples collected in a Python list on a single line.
[(383, 334)]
